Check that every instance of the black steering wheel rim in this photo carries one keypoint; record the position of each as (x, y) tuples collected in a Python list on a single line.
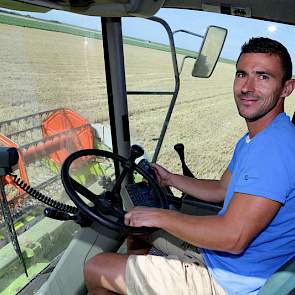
[(94, 213)]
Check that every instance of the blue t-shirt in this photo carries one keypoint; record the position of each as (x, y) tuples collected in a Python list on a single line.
[(265, 167)]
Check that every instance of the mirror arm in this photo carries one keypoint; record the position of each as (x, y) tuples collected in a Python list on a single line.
[(188, 32), (187, 56), (183, 60)]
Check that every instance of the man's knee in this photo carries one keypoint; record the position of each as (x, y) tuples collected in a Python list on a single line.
[(106, 270), (94, 267), (97, 262)]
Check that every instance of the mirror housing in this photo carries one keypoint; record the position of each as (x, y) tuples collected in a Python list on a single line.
[(210, 51)]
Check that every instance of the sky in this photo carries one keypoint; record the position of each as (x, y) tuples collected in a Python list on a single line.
[(239, 29)]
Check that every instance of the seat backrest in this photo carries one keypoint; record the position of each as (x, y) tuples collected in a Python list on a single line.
[(282, 282)]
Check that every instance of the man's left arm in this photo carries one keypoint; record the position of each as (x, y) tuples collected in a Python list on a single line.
[(246, 216)]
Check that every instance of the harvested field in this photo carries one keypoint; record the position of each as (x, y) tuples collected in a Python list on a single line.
[(43, 70)]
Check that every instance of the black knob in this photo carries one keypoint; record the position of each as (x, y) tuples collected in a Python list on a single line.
[(136, 152), (179, 148)]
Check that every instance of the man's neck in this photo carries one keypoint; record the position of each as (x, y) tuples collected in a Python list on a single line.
[(256, 126)]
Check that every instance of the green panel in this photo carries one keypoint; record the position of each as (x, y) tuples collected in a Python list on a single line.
[(39, 245)]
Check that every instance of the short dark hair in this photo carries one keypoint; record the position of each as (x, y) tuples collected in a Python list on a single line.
[(266, 45)]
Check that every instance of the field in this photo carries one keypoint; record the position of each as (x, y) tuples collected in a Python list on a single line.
[(43, 70)]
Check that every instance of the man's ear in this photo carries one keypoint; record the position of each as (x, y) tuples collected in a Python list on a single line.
[(289, 86)]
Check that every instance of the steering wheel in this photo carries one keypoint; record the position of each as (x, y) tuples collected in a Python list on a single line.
[(108, 209)]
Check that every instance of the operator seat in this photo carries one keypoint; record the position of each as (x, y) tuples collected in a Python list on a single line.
[(282, 282)]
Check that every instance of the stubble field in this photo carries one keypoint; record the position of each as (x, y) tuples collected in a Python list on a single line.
[(43, 70)]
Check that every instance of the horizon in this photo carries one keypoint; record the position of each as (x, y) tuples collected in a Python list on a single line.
[(239, 29)]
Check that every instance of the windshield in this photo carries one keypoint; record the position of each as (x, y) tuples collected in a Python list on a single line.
[(52, 91), (54, 101)]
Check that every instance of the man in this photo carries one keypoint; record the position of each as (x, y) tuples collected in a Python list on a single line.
[(254, 234)]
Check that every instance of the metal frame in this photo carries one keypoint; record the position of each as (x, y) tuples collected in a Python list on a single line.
[(116, 86)]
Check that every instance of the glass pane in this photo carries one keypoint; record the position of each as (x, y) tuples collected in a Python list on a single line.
[(143, 73), (53, 102), (205, 118)]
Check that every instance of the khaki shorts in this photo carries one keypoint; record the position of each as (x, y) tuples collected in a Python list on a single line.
[(182, 272)]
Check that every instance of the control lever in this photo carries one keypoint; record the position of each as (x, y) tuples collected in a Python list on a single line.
[(146, 166), (176, 202), (140, 193), (78, 217), (179, 148), (58, 214), (136, 151)]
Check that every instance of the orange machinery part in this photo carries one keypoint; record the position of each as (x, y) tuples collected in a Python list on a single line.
[(64, 132), (76, 138)]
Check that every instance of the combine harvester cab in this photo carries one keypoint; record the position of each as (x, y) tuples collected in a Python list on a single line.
[(62, 136)]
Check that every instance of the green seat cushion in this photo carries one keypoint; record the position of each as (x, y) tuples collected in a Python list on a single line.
[(282, 281)]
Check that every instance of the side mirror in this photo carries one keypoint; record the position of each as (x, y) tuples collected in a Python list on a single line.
[(210, 51)]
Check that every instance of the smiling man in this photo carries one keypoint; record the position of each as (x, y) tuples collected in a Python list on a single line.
[(253, 235), (263, 80)]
